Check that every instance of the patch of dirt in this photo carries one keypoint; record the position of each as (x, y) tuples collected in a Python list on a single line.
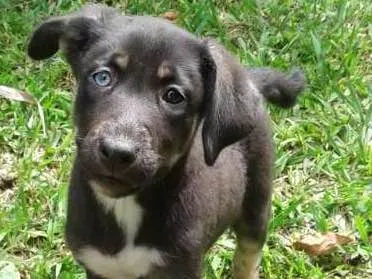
[(7, 171)]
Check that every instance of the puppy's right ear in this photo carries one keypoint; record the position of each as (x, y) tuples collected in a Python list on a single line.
[(44, 42), (73, 32)]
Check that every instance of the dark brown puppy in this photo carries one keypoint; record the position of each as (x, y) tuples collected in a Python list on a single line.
[(173, 145)]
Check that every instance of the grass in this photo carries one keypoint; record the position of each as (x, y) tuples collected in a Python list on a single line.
[(324, 145)]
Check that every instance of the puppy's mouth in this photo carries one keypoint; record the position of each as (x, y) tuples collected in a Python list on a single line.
[(114, 187), (111, 181)]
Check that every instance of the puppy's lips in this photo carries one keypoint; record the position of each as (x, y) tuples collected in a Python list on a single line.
[(111, 181), (114, 187)]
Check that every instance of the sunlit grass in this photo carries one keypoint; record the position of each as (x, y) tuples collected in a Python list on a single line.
[(323, 145)]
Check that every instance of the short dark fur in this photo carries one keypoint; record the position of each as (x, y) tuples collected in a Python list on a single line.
[(221, 176)]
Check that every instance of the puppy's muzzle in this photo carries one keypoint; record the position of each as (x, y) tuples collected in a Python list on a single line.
[(116, 154)]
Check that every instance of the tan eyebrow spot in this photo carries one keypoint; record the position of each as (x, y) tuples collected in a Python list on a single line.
[(164, 70), (121, 60)]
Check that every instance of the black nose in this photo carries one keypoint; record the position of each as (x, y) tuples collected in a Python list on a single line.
[(117, 153)]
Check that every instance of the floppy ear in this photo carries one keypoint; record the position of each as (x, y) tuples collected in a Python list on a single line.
[(44, 41), (74, 33), (231, 102)]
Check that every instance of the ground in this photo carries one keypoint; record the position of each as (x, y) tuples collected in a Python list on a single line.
[(323, 178)]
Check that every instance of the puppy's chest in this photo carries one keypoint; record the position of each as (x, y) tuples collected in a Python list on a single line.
[(131, 261)]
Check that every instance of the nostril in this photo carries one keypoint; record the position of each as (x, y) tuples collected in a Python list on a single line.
[(104, 150), (125, 156)]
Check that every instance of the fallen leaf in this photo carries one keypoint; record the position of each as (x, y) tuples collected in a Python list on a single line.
[(317, 245), (170, 15), (15, 94)]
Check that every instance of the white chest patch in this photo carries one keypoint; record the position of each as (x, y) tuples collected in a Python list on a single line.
[(132, 261)]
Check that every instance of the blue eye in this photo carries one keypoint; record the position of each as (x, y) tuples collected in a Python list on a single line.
[(102, 78)]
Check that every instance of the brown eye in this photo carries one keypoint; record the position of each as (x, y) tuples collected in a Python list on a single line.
[(173, 96)]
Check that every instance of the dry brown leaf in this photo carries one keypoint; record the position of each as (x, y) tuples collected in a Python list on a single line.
[(170, 15), (321, 244), (15, 94)]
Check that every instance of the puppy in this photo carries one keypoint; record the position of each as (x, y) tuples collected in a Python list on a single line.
[(173, 145)]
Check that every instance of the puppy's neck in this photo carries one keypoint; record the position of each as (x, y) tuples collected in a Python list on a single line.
[(126, 211)]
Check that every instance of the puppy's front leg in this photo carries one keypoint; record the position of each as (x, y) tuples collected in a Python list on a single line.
[(246, 260)]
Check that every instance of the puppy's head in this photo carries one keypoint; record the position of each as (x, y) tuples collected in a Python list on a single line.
[(144, 86)]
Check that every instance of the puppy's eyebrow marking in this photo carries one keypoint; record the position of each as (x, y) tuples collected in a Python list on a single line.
[(165, 71), (120, 60)]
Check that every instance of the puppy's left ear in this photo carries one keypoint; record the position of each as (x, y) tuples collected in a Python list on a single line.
[(231, 101)]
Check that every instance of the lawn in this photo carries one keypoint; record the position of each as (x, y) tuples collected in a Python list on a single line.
[(323, 178)]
